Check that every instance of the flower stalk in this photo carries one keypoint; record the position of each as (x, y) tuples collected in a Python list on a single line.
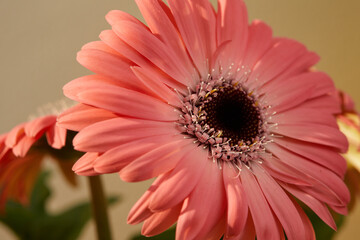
[(99, 208)]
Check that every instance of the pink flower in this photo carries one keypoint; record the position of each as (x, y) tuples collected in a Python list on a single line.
[(349, 122), (231, 121), (21, 153)]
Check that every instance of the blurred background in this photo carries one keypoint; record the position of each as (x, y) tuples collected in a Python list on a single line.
[(40, 38)]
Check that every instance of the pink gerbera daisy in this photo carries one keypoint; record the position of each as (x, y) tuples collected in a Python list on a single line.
[(21, 153), (232, 122)]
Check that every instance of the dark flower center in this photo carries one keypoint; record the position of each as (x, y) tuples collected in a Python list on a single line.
[(235, 113)]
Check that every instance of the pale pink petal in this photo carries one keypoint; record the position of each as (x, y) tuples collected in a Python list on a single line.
[(204, 207), (155, 162), (160, 221), (276, 60), (153, 49), (317, 206), (280, 204), (127, 102), (322, 155), (157, 86), (120, 156), (84, 166), (232, 14), (71, 89), (301, 115), (327, 104), (110, 38), (301, 65), (259, 41), (284, 172), (140, 211), (249, 230), (198, 35), (115, 16), (81, 116), (23, 146), (15, 135), (39, 125), (332, 191), (237, 206), (159, 23), (56, 136), (99, 45), (102, 136), (218, 231), (187, 173), (310, 233), (111, 66), (264, 220), (315, 133), (341, 209)]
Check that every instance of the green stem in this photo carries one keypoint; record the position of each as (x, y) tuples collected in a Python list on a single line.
[(99, 208)]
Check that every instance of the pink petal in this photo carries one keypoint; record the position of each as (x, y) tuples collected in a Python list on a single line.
[(154, 50), (84, 166), (300, 115), (111, 66), (309, 230), (100, 45), (23, 146), (301, 65), (56, 136), (322, 155), (218, 231), (317, 206), (327, 103), (197, 29), (160, 221), (115, 16), (181, 181), (121, 155), (15, 135), (332, 190), (72, 89), (315, 133), (110, 38), (39, 125), (127, 102), (280, 204), (160, 25), (249, 230), (232, 14), (237, 210), (158, 161), (277, 60), (264, 220), (204, 207), (102, 136), (284, 172), (81, 116), (157, 86), (140, 211)]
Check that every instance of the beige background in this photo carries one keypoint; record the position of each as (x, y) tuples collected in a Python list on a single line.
[(40, 38)]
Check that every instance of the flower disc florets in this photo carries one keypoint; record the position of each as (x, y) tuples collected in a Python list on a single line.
[(225, 117)]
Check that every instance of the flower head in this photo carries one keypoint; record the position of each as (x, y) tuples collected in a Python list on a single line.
[(231, 120), (349, 122), (21, 153)]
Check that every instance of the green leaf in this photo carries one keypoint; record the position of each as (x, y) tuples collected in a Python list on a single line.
[(33, 222)]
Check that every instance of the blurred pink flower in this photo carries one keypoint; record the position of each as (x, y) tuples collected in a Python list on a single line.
[(231, 121), (349, 122), (21, 153)]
